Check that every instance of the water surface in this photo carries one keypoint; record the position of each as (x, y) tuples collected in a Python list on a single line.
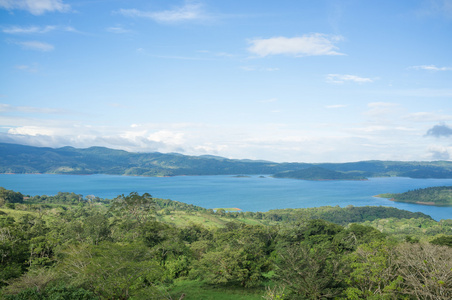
[(252, 193)]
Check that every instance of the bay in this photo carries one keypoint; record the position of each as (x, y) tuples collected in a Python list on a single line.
[(252, 193)]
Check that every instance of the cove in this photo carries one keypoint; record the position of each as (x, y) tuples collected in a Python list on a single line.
[(250, 193)]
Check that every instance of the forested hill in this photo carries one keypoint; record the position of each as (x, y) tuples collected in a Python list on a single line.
[(439, 195), (99, 160), (318, 173)]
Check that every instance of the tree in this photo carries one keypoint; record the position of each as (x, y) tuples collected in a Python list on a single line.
[(134, 205), (426, 270), (9, 196), (310, 272), (111, 270), (373, 272), (443, 240)]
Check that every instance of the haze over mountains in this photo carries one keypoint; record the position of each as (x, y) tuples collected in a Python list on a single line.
[(16, 158)]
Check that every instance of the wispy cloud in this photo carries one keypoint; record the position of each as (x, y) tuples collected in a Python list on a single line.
[(26, 68), (187, 12), (36, 45), (342, 78), (30, 109), (36, 29), (118, 29), (306, 45), (28, 30), (381, 110), (35, 7), (427, 117), (431, 68)]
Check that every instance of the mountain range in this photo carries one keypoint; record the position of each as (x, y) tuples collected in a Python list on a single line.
[(23, 159)]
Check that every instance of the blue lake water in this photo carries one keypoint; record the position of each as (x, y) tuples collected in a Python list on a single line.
[(250, 193)]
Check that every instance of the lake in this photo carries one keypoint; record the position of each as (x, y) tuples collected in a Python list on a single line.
[(253, 193)]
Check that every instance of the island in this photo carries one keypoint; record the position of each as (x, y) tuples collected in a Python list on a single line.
[(437, 196), (319, 173)]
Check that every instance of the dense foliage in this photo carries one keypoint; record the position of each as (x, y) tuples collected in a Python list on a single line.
[(136, 247), (438, 195), (318, 173), (98, 160)]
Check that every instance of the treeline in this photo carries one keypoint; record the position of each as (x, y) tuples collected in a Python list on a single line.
[(120, 250), (438, 195)]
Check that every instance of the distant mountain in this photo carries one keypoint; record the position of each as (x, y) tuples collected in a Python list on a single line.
[(319, 173), (99, 160)]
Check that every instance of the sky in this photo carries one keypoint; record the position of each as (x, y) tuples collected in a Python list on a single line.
[(284, 81)]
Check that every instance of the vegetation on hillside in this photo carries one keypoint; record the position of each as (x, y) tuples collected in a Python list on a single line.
[(68, 246), (319, 173), (98, 160), (438, 195)]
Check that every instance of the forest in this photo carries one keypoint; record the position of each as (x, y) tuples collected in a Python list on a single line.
[(70, 246), (437, 195), (319, 173)]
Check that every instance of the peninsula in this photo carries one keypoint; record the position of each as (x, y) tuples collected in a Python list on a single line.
[(437, 196)]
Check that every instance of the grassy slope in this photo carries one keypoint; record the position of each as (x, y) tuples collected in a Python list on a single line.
[(182, 218)]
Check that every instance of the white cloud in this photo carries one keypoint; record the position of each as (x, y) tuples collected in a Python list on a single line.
[(306, 45), (342, 78), (275, 142), (431, 68), (35, 7), (188, 12), (437, 152), (32, 131), (36, 45)]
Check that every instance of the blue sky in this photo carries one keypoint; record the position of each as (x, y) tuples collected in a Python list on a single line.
[(299, 81)]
